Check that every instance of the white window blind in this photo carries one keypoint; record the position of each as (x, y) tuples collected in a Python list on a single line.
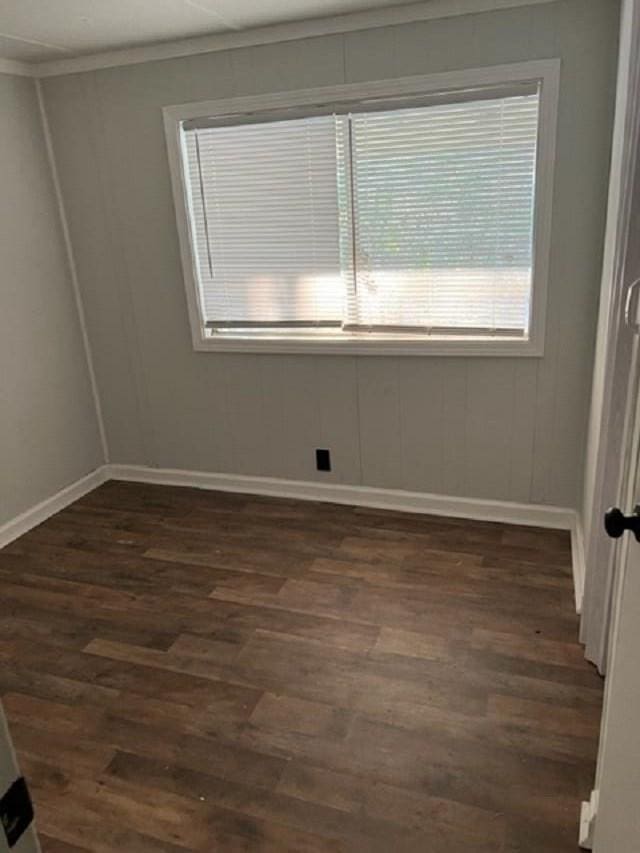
[(264, 218), (410, 220), (442, 212)]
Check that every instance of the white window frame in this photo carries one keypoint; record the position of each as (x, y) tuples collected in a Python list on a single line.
[(545, 72)]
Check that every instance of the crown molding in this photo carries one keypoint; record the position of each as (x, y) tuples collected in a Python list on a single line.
[(17, 69), (402, 14)]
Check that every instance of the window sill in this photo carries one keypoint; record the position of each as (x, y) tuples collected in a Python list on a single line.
[(477, 347)]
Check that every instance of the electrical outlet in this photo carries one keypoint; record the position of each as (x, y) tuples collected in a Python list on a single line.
[(323, 460)]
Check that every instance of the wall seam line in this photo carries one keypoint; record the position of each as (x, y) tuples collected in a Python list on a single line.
[(73, 271)]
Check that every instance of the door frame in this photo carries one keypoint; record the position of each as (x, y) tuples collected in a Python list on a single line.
[(608, 422)]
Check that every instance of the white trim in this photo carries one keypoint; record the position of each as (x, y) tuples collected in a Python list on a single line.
[(588, 814), (578, 562), (534, 515), (440, 82), (402, 14), (72, 270), (489, 347), (546, 71), (17, 69), (40, 512)]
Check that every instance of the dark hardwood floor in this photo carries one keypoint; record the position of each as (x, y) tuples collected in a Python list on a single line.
[(191, 670)]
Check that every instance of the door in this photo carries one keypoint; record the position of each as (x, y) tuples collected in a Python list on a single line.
[(617, 819), (616, 824)]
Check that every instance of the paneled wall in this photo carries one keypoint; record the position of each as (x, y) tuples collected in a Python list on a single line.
[(48, 430), (501, 428)]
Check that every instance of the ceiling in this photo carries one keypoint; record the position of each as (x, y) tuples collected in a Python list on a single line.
[(41, 30)]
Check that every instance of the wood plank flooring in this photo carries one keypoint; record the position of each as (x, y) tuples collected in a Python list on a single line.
[(191, 670)]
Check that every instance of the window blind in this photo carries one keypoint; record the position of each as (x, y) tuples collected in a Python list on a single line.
[(418, 219), (264, 219), (442, 215)]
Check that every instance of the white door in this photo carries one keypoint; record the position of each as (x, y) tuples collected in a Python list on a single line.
[(617, 793), (617, 819)]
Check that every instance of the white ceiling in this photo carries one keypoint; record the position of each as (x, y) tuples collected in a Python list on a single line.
[(41, 30)]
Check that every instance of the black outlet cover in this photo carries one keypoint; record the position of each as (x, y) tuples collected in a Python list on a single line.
[(16, 811), (323, 460)]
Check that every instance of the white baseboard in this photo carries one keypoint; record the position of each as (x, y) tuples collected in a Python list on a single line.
[(536, 515), (578, 560), (588, 813), (394, 499), (40, 512)]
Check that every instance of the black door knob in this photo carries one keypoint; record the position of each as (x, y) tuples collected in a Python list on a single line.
[(616, 522)]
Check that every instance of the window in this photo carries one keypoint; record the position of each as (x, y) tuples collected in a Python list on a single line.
[(402, 222), (264, 218)]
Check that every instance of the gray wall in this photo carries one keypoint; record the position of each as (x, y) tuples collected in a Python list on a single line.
[(48, 430), (510, 429)]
